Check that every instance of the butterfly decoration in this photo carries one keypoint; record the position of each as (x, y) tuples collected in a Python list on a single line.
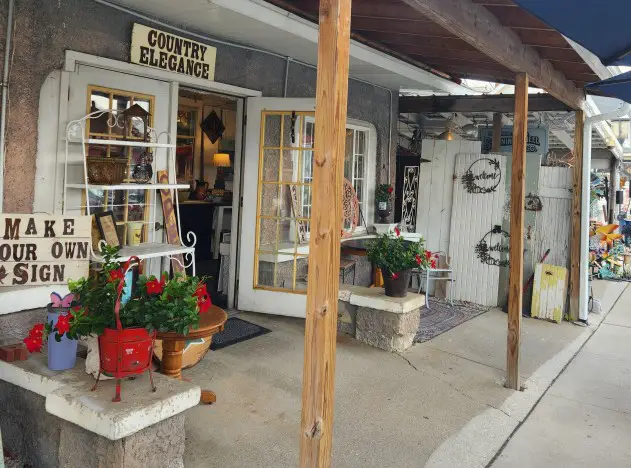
[(57, 301)]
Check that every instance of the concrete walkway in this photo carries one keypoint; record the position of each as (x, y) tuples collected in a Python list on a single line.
[(442, 403), (584, 419)]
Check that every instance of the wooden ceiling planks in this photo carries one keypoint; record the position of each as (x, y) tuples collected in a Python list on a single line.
[(397, 28)]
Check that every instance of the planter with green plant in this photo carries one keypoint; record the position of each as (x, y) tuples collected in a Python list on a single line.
[(383, 194), (396, 256)]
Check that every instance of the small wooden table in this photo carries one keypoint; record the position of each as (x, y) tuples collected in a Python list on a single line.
[(173, 345)]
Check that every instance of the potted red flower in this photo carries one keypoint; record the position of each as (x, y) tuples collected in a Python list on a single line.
[(383, 194), (65, 325), (396, 256)]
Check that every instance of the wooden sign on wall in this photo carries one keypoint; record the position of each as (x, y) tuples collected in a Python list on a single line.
[(40, 249)]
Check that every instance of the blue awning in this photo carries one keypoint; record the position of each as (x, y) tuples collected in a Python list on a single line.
[(602, 27), (618, 87)]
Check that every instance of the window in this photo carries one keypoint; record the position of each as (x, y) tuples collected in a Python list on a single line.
[(285, 194), (130, 207)]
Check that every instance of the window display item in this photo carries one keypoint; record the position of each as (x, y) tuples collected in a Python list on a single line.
[(213, 127)]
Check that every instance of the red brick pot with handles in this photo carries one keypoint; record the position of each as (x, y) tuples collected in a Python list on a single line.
[(125, 352)]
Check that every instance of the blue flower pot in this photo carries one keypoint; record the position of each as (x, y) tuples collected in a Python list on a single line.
[(62, 355)]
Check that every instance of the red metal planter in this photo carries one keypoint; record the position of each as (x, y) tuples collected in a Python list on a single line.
[(125, 352)]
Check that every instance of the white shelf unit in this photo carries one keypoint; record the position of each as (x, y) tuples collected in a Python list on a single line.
[(156, 248)]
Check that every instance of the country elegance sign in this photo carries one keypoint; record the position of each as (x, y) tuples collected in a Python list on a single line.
[(536, 141), (40, 249), (159, 49)]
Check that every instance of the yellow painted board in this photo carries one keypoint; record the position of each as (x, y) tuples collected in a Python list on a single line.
[(549, 292)]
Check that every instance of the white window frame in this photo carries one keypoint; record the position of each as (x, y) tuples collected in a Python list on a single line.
[(370, 167)]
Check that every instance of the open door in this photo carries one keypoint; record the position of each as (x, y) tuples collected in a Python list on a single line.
[(276, 191)]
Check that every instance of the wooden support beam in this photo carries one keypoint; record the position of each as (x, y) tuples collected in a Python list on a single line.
[(502, 103), (479, 27), (497, 133), (316, 427), (577, 216), (516, 247)]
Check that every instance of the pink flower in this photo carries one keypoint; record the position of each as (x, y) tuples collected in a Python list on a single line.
[(419, 260), (433, 264), (428, 254)]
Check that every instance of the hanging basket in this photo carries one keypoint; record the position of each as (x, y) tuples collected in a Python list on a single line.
[(125, 352)]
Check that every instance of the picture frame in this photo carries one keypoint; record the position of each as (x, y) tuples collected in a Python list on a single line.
[(106, 223)]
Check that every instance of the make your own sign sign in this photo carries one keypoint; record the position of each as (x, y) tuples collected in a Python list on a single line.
[(159, 49), (40, 249)]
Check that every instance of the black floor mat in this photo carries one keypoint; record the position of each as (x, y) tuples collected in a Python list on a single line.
[(235, 331)]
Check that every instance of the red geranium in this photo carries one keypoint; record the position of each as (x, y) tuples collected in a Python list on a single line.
[(397, 231), (116, 275), (155, 287), (418, 259), (390, 189), (35, 338), (203, 299), (433, 264), (33, 345), (63, 324), (428, 254)]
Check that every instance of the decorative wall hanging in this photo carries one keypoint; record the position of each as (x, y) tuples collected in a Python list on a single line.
[(483, 176), (492, 245), (533, 203), (213, 127)]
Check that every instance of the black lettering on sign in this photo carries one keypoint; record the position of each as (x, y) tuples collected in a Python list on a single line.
[(48, 228), (12, 228), (82, 250), (31, 252), (57, 250), (5, 252), (58, 272), (20, 273), (68, 227), (44, 273), (31, 229), (18, 252)]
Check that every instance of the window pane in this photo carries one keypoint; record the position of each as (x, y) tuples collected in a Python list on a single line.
[(290, 165), (272, 131), (308, 134), (119, 104), (271, 162), (348, 157), (269, 200), (361, 142)]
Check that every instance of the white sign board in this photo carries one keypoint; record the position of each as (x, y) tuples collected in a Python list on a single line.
[(158, 49), (40, 249), (536, 141)]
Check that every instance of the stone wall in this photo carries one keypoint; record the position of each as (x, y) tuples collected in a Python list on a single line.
[(44, 441), (45, 29)]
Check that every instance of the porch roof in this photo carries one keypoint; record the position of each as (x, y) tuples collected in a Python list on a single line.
[(399, 27)]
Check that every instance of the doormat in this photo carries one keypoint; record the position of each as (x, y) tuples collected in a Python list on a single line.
[(443, 317), (235, 331)]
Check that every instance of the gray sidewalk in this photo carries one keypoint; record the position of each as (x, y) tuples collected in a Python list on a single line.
[(584, 419)]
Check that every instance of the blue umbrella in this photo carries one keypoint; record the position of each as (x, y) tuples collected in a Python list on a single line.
[(602, 27), (618, 87)]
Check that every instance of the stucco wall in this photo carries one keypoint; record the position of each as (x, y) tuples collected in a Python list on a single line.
[(44, 29)]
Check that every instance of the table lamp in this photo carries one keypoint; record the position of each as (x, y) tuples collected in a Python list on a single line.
[(220, 160)]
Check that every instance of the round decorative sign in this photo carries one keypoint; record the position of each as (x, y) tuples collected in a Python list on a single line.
[(483, 176), (492, 245)]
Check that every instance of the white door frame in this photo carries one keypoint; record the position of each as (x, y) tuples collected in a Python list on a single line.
[(250, 298), (56, 146)]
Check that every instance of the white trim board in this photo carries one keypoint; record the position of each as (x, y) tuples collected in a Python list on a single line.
[(73, 58), (20, 298)]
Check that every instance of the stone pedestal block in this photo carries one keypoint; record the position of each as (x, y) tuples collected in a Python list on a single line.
[(387, 330)]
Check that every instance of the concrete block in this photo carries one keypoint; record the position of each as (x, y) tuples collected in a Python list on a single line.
[(347, 317), (387, 330)]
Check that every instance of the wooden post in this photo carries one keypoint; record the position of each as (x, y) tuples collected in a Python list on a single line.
[(497, 133), (577, 216), (316, 427), (516, 249)]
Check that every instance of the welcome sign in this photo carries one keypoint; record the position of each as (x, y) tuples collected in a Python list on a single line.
[(158, 49), (536, 141), (43, 249)]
